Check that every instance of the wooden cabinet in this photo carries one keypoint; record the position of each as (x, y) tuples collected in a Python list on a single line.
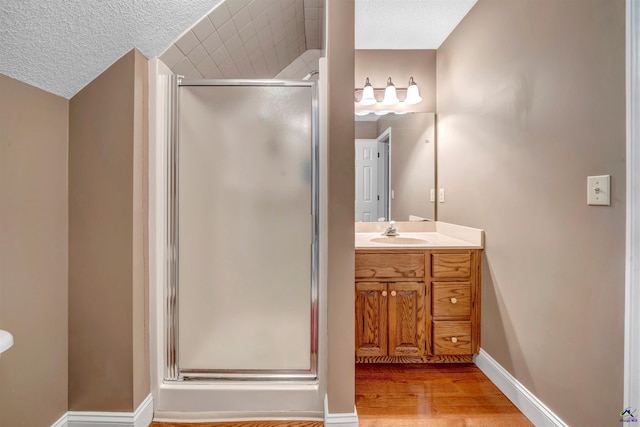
[(390, 319), (417, 306)]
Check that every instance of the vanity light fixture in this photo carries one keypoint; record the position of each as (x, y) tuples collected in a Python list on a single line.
[(368, 97), (390, 97), (368, 94), (413, 93)]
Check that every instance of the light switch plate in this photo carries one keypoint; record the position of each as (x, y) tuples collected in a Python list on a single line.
[(441, 195), (432, 197), (599, 190)]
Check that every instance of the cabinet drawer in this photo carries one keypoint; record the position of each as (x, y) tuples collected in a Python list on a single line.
[(451, 337), (387, 265), (451, 299), (451, 265)]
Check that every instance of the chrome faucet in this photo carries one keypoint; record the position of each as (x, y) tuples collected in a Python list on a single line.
[(391, 230)]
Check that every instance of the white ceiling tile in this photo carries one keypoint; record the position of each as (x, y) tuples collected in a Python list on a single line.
[(205, 66), (261, 21), (239, 55), (220, 15), (203, 29), (227, 30), (221, 55), (214, 73), (172, 56), (279, 35), (262, 72), (197, 55), (312, 3), (229, 69), (252, 44), (311, 34), (245, 68), (256, 7), (276, 23), (256, 56), (247, 32), (194, 75), (183, 67), (289, 13), (187, 42), (233, 44), (301, 26), (212, 43), (273, 11), (235, 5), (311, 13), (271, 59), (241, 19), (291, 28)]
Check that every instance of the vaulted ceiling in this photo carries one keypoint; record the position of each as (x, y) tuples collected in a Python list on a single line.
[(61, 45)]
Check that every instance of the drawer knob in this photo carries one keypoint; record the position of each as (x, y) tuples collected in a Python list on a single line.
[(393, 293), (454, 339), (384, 293), (454, 300)]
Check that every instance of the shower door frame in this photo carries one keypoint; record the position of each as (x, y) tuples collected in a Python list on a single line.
[(172, 371)]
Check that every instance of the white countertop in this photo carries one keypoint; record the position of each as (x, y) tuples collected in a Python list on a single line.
[(425, 235)]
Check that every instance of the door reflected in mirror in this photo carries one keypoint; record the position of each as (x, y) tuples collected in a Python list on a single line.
[(395, 167)]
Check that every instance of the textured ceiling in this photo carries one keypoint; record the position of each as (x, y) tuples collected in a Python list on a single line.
[(61, 45), (407, 24)]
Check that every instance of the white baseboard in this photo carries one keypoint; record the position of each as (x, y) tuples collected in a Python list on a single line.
[(347, 419), (141, 417), (523, 399), (62, 422)]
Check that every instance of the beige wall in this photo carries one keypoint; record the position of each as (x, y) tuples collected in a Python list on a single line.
[(341, 153), (33, 254), (379, 65), (108, 343), (366, 130), (531, 100)]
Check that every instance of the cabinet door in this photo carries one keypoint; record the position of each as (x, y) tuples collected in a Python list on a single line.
[(406, 319), (371, 319)]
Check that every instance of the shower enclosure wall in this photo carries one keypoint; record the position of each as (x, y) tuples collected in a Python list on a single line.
[(238, 330)]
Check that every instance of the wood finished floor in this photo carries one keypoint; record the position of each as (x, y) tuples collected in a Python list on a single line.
[(431, 395), (415, 395), (244, 424)]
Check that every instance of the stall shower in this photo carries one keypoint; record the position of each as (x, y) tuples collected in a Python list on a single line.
[(242, 231)]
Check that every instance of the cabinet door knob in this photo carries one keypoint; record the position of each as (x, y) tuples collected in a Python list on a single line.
[(454, 300), (393, 293), (454, 339), (384, 293)]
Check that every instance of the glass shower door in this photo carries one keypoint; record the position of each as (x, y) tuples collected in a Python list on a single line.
[(246, 230)]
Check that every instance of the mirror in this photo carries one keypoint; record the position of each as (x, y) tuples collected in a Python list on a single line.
[(395, 167)]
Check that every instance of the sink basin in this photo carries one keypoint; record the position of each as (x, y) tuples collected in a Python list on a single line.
[(6, 341), (399, 240)]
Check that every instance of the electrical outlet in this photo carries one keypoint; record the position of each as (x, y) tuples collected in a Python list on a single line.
[(599, 190), (441, 195)]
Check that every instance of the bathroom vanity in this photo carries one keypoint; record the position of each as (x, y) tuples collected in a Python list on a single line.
[(417, 294)]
